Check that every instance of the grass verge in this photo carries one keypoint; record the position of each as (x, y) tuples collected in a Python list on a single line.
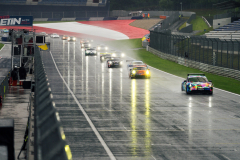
[(221, 82), (182, 26), (1, 45), (199, 24)]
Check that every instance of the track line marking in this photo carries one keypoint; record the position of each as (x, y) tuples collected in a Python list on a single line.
[(110, 154), (154, 157)]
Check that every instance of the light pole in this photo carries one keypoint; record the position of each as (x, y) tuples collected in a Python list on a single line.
[(181, 7)]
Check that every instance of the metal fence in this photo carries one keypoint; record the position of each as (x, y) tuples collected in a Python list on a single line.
[(166, 23), (4, 86), (216, 52), (49, 138), (226, 15), (70, 14)]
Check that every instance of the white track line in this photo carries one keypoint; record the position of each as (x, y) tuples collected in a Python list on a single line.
[(2, 47), (110, 154)]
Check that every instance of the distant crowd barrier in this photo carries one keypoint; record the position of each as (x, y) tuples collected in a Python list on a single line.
[(49, 138), (4, 86)]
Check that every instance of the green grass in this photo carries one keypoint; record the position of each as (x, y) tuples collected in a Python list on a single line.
[(1, 45), (182, 26), (199, 24), (37, 22), (203, 32), (221, 82), (206, 12)]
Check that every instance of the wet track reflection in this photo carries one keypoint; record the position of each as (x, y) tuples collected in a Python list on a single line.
[(138, 118)]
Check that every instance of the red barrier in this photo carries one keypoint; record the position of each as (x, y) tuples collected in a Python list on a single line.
[(162, 17)]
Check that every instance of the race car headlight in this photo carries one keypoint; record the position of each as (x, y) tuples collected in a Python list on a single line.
[(113, 54), (102, 57), (82, 45), (190, 85), (121, 62), (89, 45), (74, 38), (122, 54), (99, 48), (147, 72), (134, 72), (110, 62), (82, 49), (106, 48), (68, 38)]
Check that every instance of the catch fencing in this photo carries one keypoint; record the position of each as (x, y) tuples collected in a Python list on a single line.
[(4, 86), (211, 51), (49, 138)]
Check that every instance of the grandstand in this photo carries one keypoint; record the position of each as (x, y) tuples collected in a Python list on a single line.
[(55, 9), (229, 31)]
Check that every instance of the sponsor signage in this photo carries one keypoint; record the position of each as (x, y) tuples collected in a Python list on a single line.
[(16, 20)]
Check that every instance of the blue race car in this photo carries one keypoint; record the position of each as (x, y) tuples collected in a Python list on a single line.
[(197, 82)]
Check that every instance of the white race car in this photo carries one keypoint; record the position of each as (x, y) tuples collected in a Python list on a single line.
[(90, 52), (54, 35)]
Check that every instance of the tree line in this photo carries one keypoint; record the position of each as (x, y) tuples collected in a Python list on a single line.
[(162, 4)]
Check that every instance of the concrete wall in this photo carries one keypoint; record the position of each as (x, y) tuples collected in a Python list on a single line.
[(186, 14), (198, 65), (221, 22)]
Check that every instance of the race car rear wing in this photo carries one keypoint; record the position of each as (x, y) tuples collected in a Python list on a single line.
[(129, 60)]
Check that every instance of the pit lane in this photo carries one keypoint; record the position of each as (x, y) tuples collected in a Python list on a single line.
[(137, 118)]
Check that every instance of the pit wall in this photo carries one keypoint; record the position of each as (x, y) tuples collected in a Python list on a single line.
[(226, 72)]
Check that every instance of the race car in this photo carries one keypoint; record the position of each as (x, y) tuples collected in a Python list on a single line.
[(106, 56), (114, 62), (44, 33), (197, 82), (119, 54), (102, 47), (71, 38), (85, 40), (54, 35), (135, 63), (90, 52), (86, 45), (64, 37), (140, 71)]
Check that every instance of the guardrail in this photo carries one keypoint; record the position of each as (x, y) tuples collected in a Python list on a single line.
[(4, 86), (49, 138)]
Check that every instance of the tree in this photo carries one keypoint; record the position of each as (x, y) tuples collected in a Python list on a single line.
[(165, 4)]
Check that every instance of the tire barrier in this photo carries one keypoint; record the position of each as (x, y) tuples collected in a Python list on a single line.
[(4, 86), (49, 138)]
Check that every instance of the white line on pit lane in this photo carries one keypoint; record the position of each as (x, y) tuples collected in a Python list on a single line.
[(110, 154)]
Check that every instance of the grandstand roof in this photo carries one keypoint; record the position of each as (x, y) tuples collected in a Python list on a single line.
[(227, 5)]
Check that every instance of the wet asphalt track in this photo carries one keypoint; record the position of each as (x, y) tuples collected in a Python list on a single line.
[(138, 118)]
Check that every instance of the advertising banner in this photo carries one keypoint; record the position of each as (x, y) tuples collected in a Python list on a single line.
[(16, 21)]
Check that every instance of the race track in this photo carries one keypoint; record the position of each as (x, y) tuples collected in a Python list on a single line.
[(106, 115)]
